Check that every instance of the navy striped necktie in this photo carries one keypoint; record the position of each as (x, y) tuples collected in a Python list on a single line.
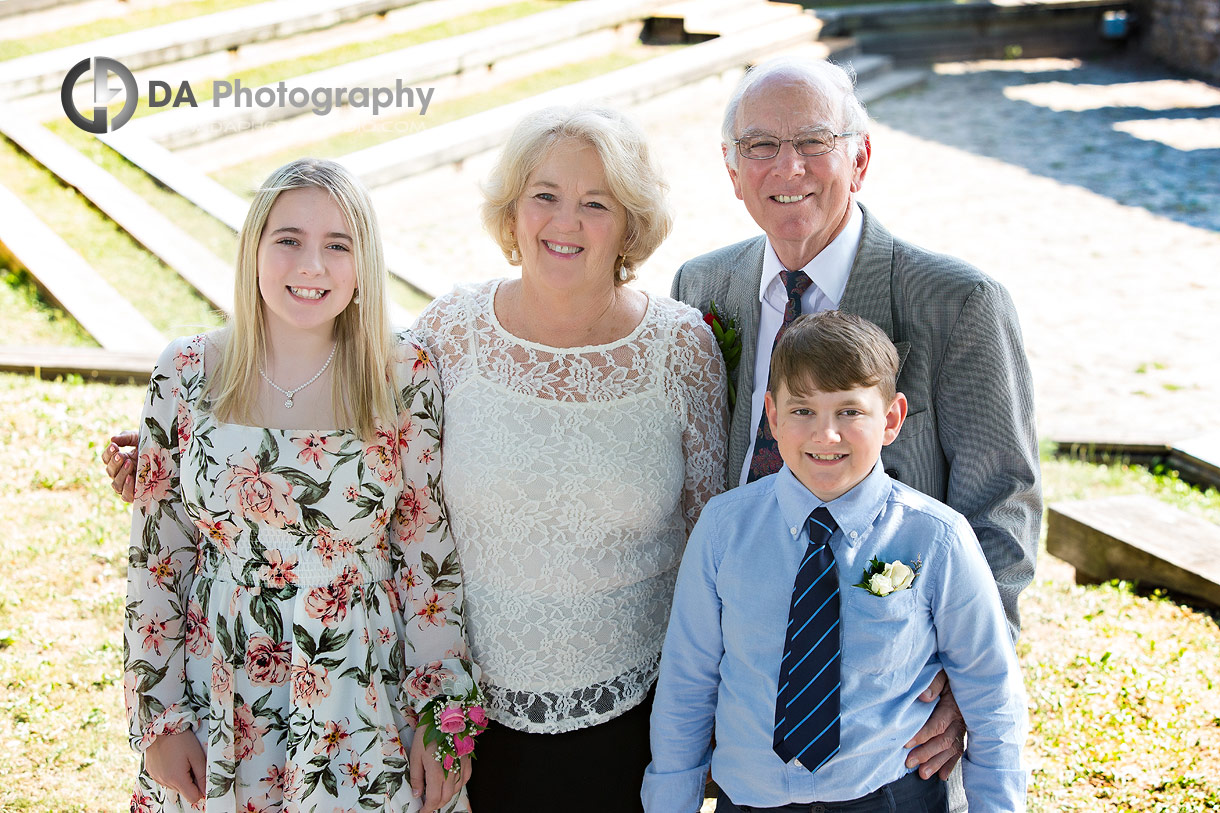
[(766, 459), (807, 703)]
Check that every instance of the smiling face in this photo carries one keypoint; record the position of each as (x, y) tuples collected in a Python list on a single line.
[(830, 440), (306, 263), (801, 202), (569, 227)]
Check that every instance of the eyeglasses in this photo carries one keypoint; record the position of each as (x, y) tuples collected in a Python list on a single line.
[(762, 147)]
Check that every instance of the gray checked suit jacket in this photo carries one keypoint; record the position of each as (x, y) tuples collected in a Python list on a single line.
[(969, 437)]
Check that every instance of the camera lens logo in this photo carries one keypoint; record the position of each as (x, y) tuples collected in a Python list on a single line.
[(102, 67)]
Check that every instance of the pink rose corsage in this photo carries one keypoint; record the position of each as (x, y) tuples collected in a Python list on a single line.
[(453, 718)]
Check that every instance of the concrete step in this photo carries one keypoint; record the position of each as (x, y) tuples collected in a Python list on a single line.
[(206, 68), (69, 281), (91, 363), (186, 38), (684, 9), (207, 274), (454, 141), (13, 8), (917, 33), (742, 18), (865, 66), (889, 82), (472, 53)]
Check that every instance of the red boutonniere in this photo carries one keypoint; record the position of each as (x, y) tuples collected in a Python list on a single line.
[(729, 340)]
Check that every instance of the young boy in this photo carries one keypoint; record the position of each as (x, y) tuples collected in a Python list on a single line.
[(809, 666)]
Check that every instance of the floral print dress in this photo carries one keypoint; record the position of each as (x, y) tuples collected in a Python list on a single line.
[(290, 594)]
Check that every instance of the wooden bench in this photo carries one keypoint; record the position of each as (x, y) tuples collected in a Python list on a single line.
[(1137, 538), (1198, 460), (72, 283)]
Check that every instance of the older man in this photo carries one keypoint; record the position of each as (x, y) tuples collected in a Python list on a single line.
[(796, 145)]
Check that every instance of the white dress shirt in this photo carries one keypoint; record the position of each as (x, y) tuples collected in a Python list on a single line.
[(828, 271)]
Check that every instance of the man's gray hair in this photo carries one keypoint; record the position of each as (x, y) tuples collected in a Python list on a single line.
[(832, 82)]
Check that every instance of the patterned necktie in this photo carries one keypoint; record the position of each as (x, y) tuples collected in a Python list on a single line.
[(766, 459), (807, 703)]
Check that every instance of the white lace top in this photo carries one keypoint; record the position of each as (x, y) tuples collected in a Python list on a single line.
[(572, 478)]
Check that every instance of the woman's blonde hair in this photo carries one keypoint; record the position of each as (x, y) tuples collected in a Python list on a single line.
[(362, 388), (631, 174)]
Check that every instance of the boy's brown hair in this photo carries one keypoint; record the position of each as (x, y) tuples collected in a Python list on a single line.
[(833, 351)]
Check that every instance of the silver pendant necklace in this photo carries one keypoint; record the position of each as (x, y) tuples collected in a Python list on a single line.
[(291, 393)]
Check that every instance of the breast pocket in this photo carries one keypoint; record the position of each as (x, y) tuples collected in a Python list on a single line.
[(874, 629)]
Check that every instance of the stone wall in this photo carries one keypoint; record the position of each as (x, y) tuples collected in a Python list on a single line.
[(1185, 34)]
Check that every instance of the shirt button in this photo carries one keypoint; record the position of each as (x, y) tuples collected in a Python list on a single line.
[(794, 531), (797, 763), (854, 534)]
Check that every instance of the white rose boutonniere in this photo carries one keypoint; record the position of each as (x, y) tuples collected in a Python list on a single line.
[(881, 579)]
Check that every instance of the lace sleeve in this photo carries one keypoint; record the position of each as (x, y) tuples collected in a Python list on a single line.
[(443, 329), (161, 559), (699, 377)]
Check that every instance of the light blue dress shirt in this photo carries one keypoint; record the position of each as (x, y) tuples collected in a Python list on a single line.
[(721, 658)]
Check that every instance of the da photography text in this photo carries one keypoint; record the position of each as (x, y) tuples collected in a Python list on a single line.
[(321, 100)]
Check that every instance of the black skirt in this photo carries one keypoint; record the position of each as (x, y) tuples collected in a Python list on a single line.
[(592, 770)]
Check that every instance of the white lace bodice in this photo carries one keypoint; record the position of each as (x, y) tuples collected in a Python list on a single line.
[(573, 477)]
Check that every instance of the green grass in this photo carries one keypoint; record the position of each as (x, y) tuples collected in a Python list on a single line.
[(29, 319), (243, 178), (131, 21), (340, 55), (163, 297), (207, 230), (1121, 678), (62, 730)]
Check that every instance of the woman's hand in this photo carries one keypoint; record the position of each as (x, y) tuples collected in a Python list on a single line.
[(428, 777), (121, 465), (177, 761)]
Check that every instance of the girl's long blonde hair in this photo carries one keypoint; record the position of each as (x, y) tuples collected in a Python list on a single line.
[(362, 388)]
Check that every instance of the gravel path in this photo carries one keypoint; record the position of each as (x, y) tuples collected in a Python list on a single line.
[(1091, 190)]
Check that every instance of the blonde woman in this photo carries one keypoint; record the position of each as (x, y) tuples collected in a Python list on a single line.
[(584, 431), (293, 586)]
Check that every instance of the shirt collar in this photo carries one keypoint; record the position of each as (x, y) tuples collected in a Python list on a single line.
[(854, 511), (830, 268)]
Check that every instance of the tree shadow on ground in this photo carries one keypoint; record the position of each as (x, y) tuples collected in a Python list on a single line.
[(1005, 115)]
